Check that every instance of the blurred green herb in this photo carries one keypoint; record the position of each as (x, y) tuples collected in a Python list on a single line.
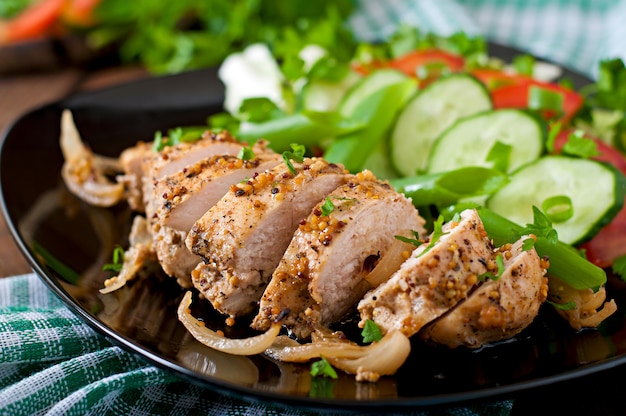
[(172, 36)]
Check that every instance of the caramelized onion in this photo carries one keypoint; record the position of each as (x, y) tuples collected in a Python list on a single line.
[(244, 346), (591, 308), (367, 362), (389, 263), (83, 172)]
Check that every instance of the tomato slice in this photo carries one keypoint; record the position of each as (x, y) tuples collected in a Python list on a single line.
[(512, 91), (610, 242), (428, 64), (495, 78), (33, 22)]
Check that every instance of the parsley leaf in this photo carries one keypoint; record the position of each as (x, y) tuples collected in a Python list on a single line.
[(489, 275), (328, 207), (415, 241), (322, 368), (436, 235), (297, 155), (371, 332), (619, 267), (528, 244), (541, 227), (500, 155), (246, 153)]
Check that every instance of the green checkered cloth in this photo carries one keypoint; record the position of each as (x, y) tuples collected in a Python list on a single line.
[(575, 33), (52, 363)]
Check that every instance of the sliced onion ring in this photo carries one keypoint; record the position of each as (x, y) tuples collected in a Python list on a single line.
[(380, 358), (389, 263), (245, 346)]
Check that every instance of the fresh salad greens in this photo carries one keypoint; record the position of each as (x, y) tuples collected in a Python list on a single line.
[(367, 109)]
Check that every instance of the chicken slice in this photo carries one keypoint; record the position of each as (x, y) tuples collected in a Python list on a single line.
[(183, 197), (436, 277), (321, 276), (142, 164), (499, 309), (243, 237), (179, 199), (132, 160)]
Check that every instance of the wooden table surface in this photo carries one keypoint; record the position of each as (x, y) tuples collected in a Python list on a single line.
[(20, 93)]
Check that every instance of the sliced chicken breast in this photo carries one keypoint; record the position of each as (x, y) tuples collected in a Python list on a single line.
[(499, 309), (183, 197), (321, 276), (437, 276), (132, 160), (179, 199), (243, 237)]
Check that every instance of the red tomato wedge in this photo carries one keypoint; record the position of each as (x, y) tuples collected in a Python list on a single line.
[(430, 61), (610, 242), (495, 78), (427, 64), (33, 22), (512, 91), (516, 96)]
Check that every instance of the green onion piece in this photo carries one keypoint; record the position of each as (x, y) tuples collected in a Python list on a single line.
[(371, 332), (555, 129), (580, 146), (544, 99), (432, 69), (500, 155), (565, 261), (558, 208), (65, 271), (569, 306)]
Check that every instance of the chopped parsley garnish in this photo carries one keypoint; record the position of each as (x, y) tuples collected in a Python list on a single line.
[(415, 241), (436, 235), (246, 153), (328, 207), (528, 244), (619, 267), (491, 276), (371, 332), (297, 155), (322, 368), (542, 227)]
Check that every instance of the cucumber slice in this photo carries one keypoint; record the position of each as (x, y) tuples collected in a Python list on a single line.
[(366, 87), (429, 113), (469, 140), (320, 95), (596, 191)]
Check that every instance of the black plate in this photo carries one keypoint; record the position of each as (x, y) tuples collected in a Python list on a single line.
[(45, 218)]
